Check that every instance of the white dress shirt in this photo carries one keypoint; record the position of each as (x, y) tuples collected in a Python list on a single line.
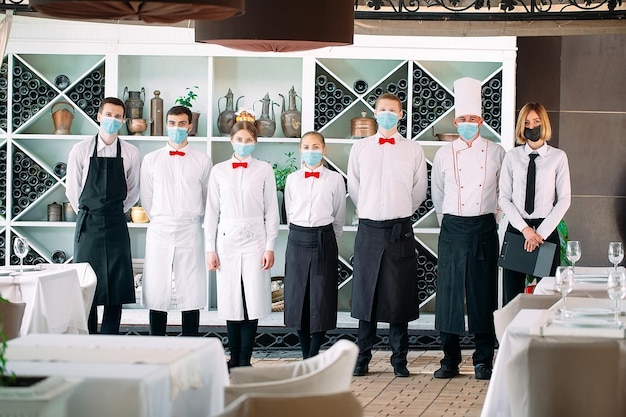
[(78, 167), (312, 202), (464, 179), (179, 182), (553, 191), (241, 193), (387, 181)]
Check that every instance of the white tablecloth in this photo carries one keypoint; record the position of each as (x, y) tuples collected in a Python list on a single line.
[(129, 376), (546, 370), (589, 282), (58, 298)]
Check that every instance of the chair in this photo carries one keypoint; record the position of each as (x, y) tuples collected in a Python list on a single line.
[(327, 373), (11, 315), (342, 404), (504, 316)]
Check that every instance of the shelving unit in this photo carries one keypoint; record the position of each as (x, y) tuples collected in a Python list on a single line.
[(346, 80)]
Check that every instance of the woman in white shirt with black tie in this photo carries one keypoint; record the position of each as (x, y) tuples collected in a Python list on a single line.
[(241, 226), (535, 218), (315, 199)]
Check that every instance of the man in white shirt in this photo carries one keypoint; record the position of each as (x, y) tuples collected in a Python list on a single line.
[(102, 183), (174, 183), (464, 189), (387, 181)]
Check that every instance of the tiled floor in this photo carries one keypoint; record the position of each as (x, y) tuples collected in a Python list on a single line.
[(382, 394)]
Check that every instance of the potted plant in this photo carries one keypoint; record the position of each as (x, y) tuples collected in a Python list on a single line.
[(187, 100), (281, 178)]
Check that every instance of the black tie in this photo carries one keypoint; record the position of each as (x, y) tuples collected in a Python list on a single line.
[(529, 205)]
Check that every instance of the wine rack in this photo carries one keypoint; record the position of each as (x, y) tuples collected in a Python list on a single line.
[(30, 181), (88, 93), (492, 102), (430, 100), (427, 205), (426, 273), (331, 98), (2, 248), (30, 93), (4, 92), (3, 180), (344, 272), (31, 258)]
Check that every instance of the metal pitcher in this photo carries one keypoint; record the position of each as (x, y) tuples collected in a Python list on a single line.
[(226, 118), (291, 119), (134, 103), (266, 125), (62, 117)]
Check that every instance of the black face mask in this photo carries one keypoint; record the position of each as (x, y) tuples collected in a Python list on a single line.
[(532, 135)]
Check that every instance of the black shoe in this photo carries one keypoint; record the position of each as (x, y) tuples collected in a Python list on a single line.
[(401, 371), (482, 371), (446, 372), (232, 363), (360, 370)]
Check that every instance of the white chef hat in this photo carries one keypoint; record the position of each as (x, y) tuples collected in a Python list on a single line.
[(467, 97)]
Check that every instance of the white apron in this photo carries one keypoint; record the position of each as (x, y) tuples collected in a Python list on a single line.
[(175, 259), (240, 245)]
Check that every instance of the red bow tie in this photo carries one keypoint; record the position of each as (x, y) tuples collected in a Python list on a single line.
[(382, 141), (311, 174), (240, 165), (179, 153)]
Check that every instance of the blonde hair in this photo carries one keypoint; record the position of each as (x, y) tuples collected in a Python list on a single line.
[(546, 128)]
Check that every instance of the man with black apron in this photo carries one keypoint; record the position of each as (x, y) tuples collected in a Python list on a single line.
[(464, 189), (102, 184), (387, 181)]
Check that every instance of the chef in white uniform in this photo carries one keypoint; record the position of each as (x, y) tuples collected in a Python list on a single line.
[(241, 226), (174, 183), (464, 189)]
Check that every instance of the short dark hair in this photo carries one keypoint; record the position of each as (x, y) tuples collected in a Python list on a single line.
[(176, 110), (112, 100)]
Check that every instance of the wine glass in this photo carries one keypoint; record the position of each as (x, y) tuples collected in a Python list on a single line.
[(616, 289), (564, 281), (573, 253), (20, 247), (616, 253)]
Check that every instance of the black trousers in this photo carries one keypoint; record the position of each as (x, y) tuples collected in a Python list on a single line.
[(190, 322), (398, 341), (514, 282), (111, 318), (483, 354), (310, 343), (241, 337)]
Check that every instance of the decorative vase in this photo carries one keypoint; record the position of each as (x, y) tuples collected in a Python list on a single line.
[(266, 125), (226, 118), (68, 212), (291, 119), (136, 126), (194, 123), (62, 117), (134, 103), (54, 212), (156, 114)]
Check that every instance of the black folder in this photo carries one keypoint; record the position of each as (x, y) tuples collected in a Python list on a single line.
[(514, 257)]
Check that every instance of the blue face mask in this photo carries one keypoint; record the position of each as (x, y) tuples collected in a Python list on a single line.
[(467, 130), (387, 120), (243, 149), (110, 125), (311, 158), (177, 134)]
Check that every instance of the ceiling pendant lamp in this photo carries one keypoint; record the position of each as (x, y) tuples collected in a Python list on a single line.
[(283, 26), (165, 11)]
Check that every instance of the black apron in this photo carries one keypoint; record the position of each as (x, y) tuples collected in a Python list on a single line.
[(467, 269), (311, 259), (384, 287), (101, 237)]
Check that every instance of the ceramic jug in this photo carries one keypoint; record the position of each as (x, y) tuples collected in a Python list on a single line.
[(291, 119), (62, 117), (226, 118), (134, 103), (266, 125), (156, 114)]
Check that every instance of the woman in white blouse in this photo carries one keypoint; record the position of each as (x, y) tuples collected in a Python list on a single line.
[(241, 226), (315, 199), (552, 194)]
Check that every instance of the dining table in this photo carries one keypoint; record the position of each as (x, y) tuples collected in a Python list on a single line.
[(58, 297), (550, 365), (588, 282), (128, 376)]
